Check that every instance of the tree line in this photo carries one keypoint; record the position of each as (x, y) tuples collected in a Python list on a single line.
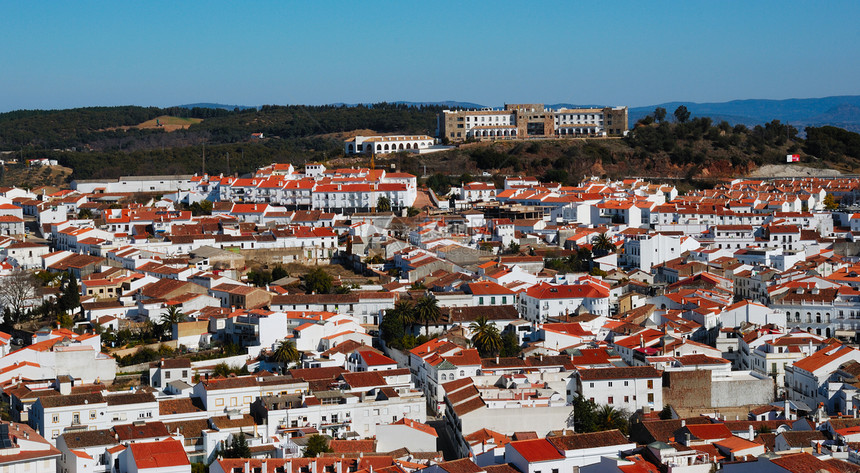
[(94, 127)]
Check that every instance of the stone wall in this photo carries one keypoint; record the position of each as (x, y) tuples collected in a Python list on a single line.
[(687, 388), (704, 389)]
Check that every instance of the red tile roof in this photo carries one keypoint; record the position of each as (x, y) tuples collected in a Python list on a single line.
[(164, 454), (537, 450)]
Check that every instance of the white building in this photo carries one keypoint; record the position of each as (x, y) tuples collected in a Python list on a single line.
[(566, 452), (544, 300), (22, 450), (628, 388), (417, 436), (807, 379), (135, 184), (643, 251), (387, 144)]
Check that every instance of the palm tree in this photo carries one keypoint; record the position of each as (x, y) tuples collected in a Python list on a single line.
[(485, 336), (602, 244), (383, 204), (403, 312), (426, 311), (172, 316), (609, 418), (286, 352)]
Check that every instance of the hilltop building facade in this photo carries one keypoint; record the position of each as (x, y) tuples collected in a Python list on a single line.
[(523, 121)]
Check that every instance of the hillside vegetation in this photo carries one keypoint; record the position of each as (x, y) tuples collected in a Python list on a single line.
[(104, 142), (692, 150)]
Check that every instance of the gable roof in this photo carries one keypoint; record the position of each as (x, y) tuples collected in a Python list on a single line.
[(536, 450)]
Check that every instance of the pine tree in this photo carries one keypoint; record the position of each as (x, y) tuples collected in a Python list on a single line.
[(238, 447), (71, 297)]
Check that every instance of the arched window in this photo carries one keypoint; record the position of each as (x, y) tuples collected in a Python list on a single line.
[(462, 373), (443, 376)]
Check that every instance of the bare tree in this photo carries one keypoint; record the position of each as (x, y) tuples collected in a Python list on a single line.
[(16, 289)]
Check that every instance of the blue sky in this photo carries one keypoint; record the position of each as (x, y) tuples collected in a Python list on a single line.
[(69, 54)]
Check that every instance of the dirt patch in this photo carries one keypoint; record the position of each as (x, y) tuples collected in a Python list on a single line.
[(35, 176), (791, 170), (336, 270), (164, 122), (423, 200)]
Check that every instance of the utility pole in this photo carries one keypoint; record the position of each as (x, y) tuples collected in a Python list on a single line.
[(228, 163), (204, 157)]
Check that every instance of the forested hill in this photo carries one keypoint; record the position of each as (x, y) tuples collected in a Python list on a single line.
[(98, 128), (105, 142), (693, 149)]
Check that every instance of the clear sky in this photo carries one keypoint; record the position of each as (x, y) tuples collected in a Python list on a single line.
[(60, 54)]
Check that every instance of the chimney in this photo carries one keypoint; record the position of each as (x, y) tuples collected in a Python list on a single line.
[(247, 466), (687, 438), (683, 423), (787, 409), (497, 359), (751, 432), (265, 467)]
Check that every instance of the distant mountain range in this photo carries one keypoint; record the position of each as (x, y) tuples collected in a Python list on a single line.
[(842, 111)]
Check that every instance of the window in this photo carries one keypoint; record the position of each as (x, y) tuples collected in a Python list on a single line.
[(92, 415), (610, 400), (650, 397), (590, 385), (167, 375), (626, 398), (627, 383), (219, 402), (650, 384), (610, 384), (55, 418)]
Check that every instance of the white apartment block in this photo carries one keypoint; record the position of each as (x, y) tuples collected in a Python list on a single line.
[(628, 388), (387, 144)]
